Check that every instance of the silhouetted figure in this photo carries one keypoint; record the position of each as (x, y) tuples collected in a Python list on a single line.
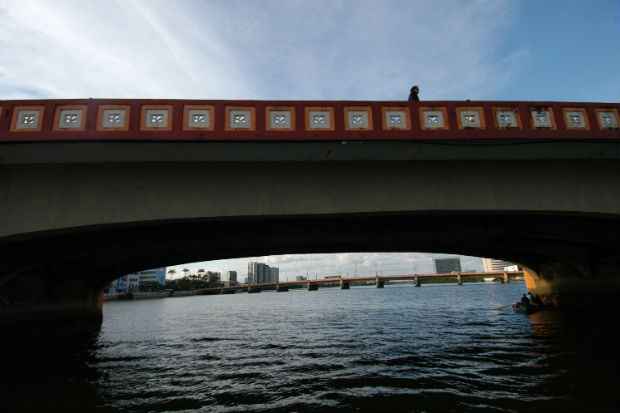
[(413, 94), (525, 301)]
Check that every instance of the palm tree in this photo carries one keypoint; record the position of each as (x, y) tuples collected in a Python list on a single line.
[(185, 271)]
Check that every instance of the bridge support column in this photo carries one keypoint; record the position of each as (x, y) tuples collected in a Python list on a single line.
[(380, 283), (281, 288), (459, 279), (417, 281), (312, 287), (583, 286), (46, 299), (344, 285), (506, 278), (253, 289)]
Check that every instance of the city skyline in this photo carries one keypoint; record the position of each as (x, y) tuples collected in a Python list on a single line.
[(348, 264)]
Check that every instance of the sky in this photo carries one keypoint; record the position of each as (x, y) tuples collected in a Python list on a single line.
[(324, 49)]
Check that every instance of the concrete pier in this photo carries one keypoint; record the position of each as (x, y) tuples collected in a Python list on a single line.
[(417, 281), (344, 285), (281, 288), (459, 279), (506, 278), (380, 282), (253, 289), (313, 287)]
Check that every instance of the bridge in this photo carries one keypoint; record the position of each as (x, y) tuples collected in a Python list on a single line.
[(91, 189), (379, 281)]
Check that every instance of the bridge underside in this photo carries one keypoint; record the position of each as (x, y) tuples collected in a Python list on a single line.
[(570, 256), (68, 229)]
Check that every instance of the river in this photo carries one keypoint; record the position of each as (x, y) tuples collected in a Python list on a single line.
[(438, 348)]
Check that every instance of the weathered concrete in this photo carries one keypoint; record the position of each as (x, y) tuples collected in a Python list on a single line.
[(75, 196), (116, 218)]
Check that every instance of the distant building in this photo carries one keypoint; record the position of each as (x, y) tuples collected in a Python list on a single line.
[(134, 281), (260, 273), (445, 265), (213, 277), (493, 265), (230, 276)]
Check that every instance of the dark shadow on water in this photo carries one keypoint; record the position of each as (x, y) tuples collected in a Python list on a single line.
[(49, 368), (571, 365)]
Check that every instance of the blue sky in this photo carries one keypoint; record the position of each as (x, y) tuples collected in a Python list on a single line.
[(324, 49), (294, 49)]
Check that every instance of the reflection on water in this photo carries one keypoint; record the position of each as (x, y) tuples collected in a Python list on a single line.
[(431, 349)]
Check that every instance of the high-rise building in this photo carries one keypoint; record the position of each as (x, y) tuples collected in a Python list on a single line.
[(230, 276), (493, 265), (446, 265), (259, 273)]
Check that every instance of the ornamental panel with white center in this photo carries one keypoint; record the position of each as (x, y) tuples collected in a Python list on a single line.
[(575, 119), (358, 119), (27, 119), (395, 118), (607, 119), (199, 119), (70, 119), (470, 119), (506, 119), (434, 119), (542, 118), (156, 118), (280, 119), (113, 118), (319, 119), (240, 119)]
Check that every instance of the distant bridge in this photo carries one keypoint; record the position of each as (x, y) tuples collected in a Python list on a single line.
[(379, 281)]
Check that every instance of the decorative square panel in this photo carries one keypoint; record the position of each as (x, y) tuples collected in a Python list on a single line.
[(434, 118), (470, 118), (156, 118), (358, 118), (320, 118), (240, 118), (198, 117), (607, 118), (113, 118), (396, 118), (27, 119), (68, 118), (575, 118), (280, 118), (542, 118), (506, 118)]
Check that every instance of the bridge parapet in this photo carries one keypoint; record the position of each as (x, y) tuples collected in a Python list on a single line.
[(193, 120)]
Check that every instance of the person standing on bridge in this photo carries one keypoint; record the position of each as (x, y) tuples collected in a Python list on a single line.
[(413, 94)]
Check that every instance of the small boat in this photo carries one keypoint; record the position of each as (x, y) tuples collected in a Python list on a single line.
[(488, 279), (525, 308)]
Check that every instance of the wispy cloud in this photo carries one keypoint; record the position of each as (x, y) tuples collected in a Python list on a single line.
[(243, 49)]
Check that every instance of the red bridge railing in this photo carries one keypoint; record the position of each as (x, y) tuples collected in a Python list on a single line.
[(200, 120)]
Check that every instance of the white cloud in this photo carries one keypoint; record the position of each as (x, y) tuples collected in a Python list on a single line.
[(242, 49)]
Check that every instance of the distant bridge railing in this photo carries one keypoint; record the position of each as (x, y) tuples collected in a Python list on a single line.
[(243, 120)]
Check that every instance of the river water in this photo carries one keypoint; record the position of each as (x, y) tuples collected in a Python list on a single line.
[(438, 348)]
